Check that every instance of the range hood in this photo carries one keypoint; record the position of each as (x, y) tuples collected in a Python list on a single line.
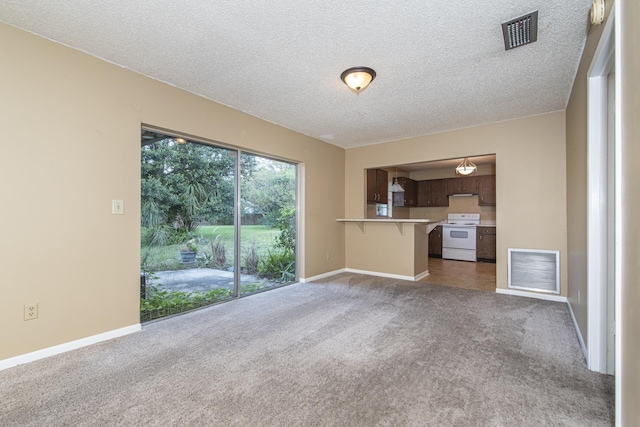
[(462, 195)]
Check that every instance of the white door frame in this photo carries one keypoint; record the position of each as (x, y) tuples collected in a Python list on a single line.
[(598, 330)]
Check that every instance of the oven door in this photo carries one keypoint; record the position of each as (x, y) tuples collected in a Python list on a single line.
[(459, 237)]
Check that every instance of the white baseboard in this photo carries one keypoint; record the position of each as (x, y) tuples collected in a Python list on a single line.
[(421, 275), (388, 275), (575, 325), (62, 348), (369, 273), (556, 298), (321, 276)]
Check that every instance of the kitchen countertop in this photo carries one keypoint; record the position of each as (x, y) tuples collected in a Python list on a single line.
[(430, 223), (487, 223), (415, 221)]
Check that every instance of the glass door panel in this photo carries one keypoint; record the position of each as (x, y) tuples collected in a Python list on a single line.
[(267, 223), (187, 225)]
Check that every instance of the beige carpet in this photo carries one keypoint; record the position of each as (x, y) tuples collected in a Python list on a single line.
[(352, 350)]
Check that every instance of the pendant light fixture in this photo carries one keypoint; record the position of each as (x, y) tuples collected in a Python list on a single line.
[(466, 167), (396, 187), (358, 78)]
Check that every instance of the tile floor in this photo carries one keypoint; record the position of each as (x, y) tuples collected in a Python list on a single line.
[(462, 274)]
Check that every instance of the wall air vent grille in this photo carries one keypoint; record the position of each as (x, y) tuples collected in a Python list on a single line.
[(520, 31), (534, 270)]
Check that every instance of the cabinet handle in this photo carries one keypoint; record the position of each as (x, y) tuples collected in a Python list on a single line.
[(480, 237)]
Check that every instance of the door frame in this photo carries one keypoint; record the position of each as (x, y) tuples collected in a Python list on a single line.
[(599, 305)]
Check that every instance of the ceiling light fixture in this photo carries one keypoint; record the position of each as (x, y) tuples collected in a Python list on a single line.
[(358, 78), (396, 187), (180, 140), (466, 167)]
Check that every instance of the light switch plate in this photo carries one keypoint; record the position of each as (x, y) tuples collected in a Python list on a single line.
[(117, 207)]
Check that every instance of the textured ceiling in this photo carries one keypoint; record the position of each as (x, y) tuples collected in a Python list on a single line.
[(441, 64)]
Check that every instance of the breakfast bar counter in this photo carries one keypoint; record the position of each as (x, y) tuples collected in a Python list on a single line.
[(388, 247)]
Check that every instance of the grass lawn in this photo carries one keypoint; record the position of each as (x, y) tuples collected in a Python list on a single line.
[(262, 235), (168, 257)]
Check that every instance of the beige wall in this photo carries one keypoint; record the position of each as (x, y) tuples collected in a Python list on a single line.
[(71, 144), (383, 248), (628, 373), (577, 185), (530, 213)]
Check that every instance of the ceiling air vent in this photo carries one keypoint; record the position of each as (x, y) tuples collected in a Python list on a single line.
[(520, 31)]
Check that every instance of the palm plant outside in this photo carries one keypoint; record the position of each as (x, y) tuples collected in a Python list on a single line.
[(188, 197)]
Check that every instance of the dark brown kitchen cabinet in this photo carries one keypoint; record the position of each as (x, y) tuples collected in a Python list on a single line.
[(485, 243), (435, 242), (487, 190), (462, 185), (377, 185), (432, 193), (408, 197)]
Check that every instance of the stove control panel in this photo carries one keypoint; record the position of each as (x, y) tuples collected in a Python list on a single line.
[(463, 218)]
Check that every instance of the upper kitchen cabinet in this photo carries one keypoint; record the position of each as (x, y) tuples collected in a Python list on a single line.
[(432, 193), (408, 197), (487, 190), (377, 185), (462, 185)]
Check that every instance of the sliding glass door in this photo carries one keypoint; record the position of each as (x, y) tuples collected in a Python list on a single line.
[(199, 245)]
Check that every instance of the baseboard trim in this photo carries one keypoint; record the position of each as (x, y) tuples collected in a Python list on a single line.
[(578, 333), (366, 272), (389, 275), (556, 298), (321, 276), (63, 348), (421, 275)]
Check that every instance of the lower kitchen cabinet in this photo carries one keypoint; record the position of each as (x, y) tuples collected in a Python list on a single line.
[(485, 243), (435, 242)]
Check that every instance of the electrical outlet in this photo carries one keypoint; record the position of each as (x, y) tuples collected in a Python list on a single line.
[(31, 311)]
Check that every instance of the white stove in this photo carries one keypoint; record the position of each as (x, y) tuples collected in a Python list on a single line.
[(459, 236)]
